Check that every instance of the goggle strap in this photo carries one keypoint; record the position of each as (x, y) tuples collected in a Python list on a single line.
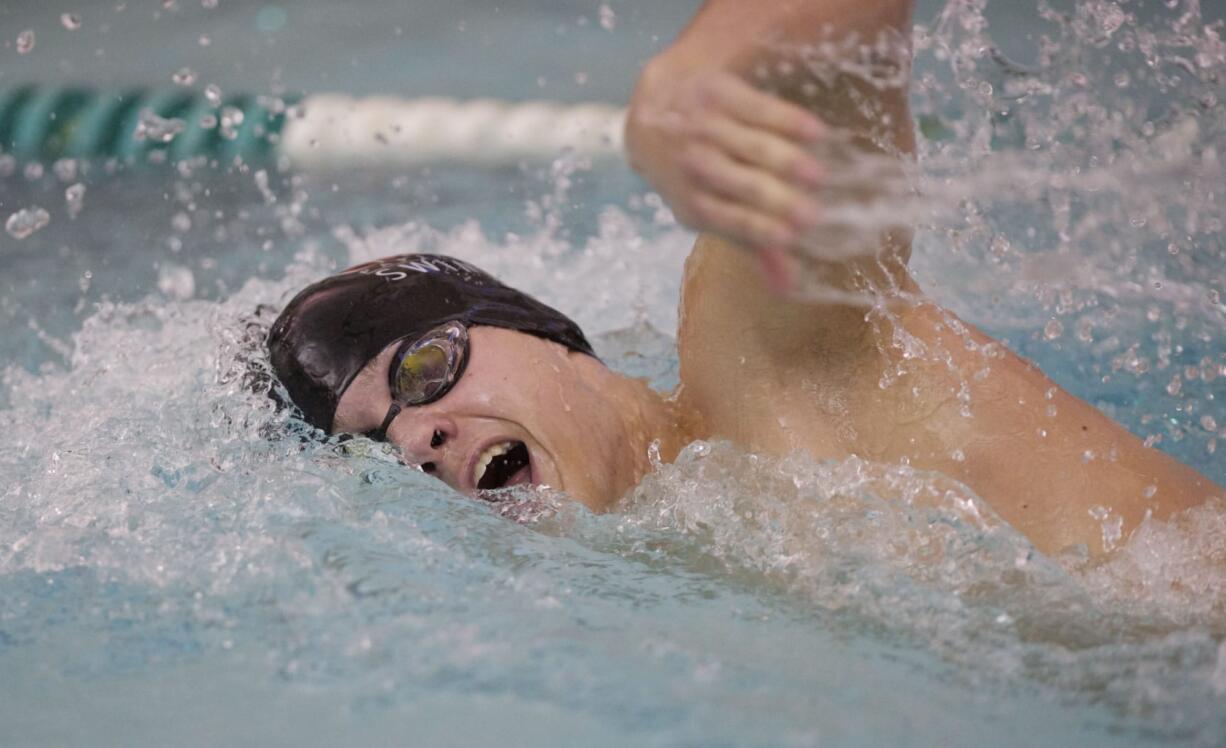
[(380, 434)]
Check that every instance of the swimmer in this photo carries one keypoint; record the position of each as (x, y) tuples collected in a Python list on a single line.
[(484, 387)]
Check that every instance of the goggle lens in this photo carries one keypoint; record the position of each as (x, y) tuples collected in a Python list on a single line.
[(424, 370)]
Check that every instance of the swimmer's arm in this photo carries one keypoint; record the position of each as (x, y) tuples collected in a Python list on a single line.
[(734, 161)]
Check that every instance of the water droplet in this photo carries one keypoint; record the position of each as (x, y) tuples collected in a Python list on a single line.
[(157, 129), (1208, 423), (204, 40), (25, 41), (70, 21), (958, 455), (181, 222), (1150, 491), (65, 169), (176, 281), (184, 77), (212, 94), (231, 119), (74, 197), (608, 20), (1174, 386), (26, 221), (33, 171), (1053, 329)]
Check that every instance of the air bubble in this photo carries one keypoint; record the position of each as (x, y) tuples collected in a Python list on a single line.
[(212, 94), (184, 77), (1053, 329), (70, 21)]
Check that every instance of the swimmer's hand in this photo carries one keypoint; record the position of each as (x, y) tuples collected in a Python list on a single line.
[(729, 160)]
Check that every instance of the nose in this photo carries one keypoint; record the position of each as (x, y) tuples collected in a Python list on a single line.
[(422, 437)]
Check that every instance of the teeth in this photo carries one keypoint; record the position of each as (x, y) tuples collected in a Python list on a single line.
[(490, 453)]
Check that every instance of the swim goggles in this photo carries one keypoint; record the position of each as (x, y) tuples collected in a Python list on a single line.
[(423, 370)]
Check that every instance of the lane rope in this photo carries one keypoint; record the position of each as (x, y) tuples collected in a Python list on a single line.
[(317, 131)]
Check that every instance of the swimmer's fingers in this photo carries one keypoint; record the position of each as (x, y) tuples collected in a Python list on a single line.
[(734, 220), (764, 234), (754, 189), (765, 150), (763, 111)]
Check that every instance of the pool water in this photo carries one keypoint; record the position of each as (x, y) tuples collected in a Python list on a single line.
[(178, 566)]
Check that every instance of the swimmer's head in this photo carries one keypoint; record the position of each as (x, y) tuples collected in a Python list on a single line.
[(334, 327), (472, 380)]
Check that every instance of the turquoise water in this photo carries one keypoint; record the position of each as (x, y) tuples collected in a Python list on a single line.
[(177, 567)]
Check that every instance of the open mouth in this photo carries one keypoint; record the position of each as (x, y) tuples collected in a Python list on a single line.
[(501, 465)]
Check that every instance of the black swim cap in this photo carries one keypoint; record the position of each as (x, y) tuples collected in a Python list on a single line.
[(333, 327)]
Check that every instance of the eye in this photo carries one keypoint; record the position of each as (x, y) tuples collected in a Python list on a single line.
[(424, 370), (421, 374)]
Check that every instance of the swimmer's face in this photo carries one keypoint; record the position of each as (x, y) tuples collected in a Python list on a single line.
[(525, 411)]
